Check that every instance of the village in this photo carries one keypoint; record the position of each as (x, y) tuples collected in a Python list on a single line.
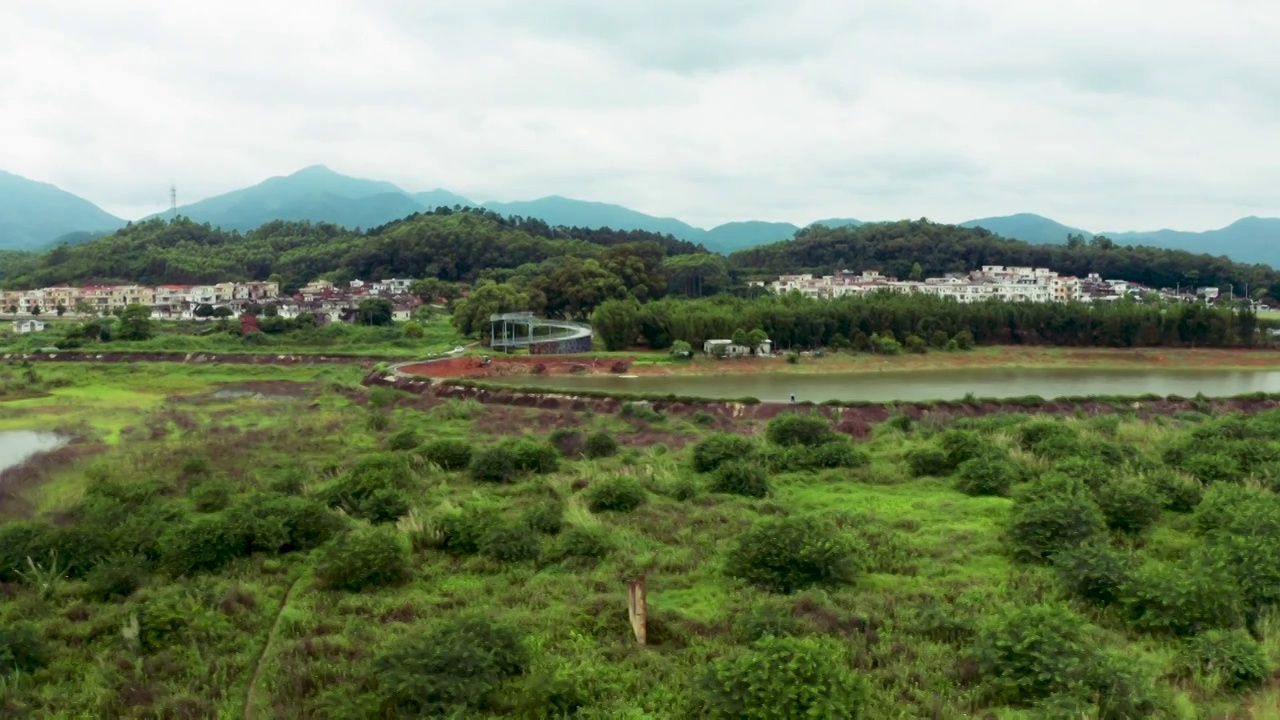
[(991, 282), (321, 298)]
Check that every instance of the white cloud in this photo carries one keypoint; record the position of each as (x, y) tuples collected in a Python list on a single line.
[(1105, 115)]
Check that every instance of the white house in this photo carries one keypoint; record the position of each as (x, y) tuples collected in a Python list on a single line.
[(26, 327), (726, 348)]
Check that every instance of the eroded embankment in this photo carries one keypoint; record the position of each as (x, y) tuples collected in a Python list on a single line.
[(472, 367), (854, 420), (200, 357)]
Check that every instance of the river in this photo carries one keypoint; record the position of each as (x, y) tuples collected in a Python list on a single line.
[(924, 385), (18, 445)]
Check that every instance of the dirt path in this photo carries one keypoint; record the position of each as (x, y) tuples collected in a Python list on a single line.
[(251, 697)]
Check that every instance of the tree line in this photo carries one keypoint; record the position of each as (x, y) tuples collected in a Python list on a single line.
[(887, 321)]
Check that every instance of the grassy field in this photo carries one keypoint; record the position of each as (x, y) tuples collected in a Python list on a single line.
[(438, 336), (298, 547)]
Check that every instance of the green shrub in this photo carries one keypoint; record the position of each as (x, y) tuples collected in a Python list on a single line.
[(383, 506), (1232, 655), (767, 619), (211, 496), (204, 544), (1128, 506), (1031, 653), (601, 445), (702, 417), (511, 542), (808, 430), (1094, 572), (838, 453), (406, 439), (583, 546), (20, 540), (172, 618), (115, 578), (719, 448), (741, 478), (927, 461), (1210, 468), (1222, 504), (1177, 493), (532, 456), (497, 464), (963, 445), (1124, 688), (283, 524), (21, 649), (1093, 472), (546, 517), (788, 554), (985, 475), (683, 489), (1245, 546), (76, 548), (290, 482), (568, 442), (462, 529), (364, 558), (1182, 600), (448, 454), (372, 488), (784, 678), (617, 494), (378, 421), (1035, 432), (1041, 525), (455, 667)]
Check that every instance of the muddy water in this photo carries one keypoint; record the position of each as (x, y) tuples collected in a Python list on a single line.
[(18, 445), (925, 385)]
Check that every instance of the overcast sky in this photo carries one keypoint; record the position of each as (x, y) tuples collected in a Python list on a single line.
[(1107, 115)]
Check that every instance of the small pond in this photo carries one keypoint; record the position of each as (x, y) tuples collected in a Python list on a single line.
[(18, 445)]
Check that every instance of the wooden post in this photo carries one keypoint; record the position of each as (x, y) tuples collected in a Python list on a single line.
[(638, 609)]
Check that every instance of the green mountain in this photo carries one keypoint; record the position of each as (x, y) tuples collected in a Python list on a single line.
[(1027, 227), (315, 193), (33, 214), (1248, 240), (557, 210), (734, 236)]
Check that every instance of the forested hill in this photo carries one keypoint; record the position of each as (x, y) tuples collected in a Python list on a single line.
[(448, 244), (894, 248)]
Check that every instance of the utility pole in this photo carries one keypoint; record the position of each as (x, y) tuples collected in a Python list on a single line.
[(173, 202)]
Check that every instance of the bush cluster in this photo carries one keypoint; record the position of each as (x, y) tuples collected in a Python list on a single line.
[(808, 430), (788, 554), (448, 454), (740, 477), (621, 493), (453, 668), (719, 448), (784, 677), (373, 489), (600, 445), (364, 558)]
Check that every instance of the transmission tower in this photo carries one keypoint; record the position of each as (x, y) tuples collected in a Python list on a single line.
[(173, 201)]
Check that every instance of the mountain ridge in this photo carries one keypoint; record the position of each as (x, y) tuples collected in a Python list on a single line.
[(47, 216)]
